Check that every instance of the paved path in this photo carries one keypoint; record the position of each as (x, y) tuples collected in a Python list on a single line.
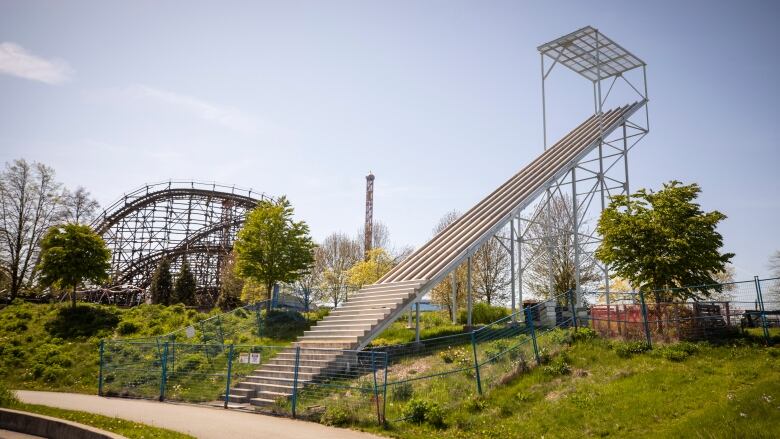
[(199, 421)]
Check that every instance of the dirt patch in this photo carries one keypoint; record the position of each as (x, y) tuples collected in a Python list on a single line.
[(410, 370)]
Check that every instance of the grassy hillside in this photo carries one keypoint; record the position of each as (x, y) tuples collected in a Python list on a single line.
[(597, 388), (54, 347)]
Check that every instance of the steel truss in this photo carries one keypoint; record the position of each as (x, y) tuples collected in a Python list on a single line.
[(615, 75), (191, 221)]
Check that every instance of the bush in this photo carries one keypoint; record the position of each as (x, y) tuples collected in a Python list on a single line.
[(335, 416), (678, 352), (584, 334), (82, 321), (284, 324), (127, 328), (7, 398), (628, 349), (558, 366), (455, 355), (418, 411), (402, 392), (482, 314)]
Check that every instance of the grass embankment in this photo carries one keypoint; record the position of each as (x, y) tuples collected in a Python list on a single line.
[(597, 388), (123, 427), (55, 347)]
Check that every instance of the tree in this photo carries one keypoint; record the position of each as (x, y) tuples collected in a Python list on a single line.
[(659, 240), (29, 206), (306, 287), (184, 289), (442, 293), (774, 264), (549, 251), (72, 254), (490, 271), (78, 206), (337, 253), (271, 247), (369, 271), (161, 288), (230, 285)]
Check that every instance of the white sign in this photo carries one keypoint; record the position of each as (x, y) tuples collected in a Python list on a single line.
[(243, 358), (254, 358), (190, 331)]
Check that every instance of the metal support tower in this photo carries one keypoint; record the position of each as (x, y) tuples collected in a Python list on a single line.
[(617, 77), (369, 228)]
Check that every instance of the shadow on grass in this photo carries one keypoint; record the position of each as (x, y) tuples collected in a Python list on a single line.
[(82, 321)]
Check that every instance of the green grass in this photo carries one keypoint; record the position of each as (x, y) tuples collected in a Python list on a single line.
[(432, 324), (53, 347), (588, 390)]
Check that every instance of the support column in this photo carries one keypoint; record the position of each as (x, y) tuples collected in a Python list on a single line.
[(576, 232), (469, 305), (454, 307), (520, 269), (512, 264), (417, 321)]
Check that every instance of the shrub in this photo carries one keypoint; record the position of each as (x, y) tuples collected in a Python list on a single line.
[(7, 398), (418, 411), (335, 416), (455, 355), (127, 328), (82, 321), (284, 324), (482, 314), (584, 334), (402, 392), (558, 366), (628, 349), (476, 404), (678, 352), (415, 411)]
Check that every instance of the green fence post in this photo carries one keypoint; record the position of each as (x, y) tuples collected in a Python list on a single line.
[(760, 298), (529, 321), (164, 371), (295, 379), (376, 390), (384, 394), (229, 373), (476, 362), (644, 319), (100, 372), (573, 306)]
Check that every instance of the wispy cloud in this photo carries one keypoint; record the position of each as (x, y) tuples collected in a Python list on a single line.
[(228, 117), (16, 61)]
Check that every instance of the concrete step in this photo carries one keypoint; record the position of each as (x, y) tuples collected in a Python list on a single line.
[(326, 344), (353, 319), (270, 377), (342, 327), (288, 367), (336, 332), (262, 402), (263, 387), (379, 313), (397, 285), (374, 299)]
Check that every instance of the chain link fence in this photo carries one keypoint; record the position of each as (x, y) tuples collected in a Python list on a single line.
[(209, 363)]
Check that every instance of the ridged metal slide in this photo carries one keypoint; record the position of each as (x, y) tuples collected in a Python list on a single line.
[(366, 314)]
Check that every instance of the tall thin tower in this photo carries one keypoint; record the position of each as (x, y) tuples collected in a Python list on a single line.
[(369, 231)]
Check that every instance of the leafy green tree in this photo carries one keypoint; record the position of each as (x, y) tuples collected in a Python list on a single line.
[(369, 271), (72, 254), (161, 287), (184, 290), (230, 285), (659, 240), (272, 247)]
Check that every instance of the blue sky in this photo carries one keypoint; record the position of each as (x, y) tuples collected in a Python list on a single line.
[(440, 99)]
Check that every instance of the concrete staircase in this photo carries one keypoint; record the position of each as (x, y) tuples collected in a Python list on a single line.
[(349, 327)]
